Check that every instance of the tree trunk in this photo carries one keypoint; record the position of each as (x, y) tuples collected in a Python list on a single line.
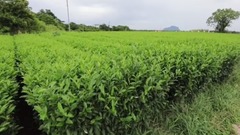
[(14, 31)]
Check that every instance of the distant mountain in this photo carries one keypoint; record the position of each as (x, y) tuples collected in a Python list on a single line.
[(171, 28)]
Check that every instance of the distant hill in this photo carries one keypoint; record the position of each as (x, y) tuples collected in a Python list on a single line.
[(171, 28)]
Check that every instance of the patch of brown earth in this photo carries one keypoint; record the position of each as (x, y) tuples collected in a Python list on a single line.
[(236, 129)]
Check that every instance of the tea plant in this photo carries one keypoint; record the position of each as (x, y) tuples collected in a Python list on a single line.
[(8, 86), (104, 83)]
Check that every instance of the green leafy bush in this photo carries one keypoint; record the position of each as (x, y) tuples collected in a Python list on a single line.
[(8, 87), (103, 83)]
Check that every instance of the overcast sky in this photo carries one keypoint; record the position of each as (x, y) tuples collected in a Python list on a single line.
[(139, 14)]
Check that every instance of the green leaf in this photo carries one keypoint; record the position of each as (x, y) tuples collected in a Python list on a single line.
[(61, 110), (69, 121), (3, 108), (102, 89)]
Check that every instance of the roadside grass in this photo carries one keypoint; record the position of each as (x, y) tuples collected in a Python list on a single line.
[(212, 112)]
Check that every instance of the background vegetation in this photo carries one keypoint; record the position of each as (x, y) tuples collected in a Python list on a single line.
[(16, 17)]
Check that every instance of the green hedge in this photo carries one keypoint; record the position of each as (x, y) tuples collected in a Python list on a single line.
[(106, 87), (8, 86)]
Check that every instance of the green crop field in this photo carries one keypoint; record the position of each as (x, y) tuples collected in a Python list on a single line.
[(107, 82)]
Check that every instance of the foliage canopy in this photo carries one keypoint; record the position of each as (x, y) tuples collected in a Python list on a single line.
[(16, 17), (222, 18)]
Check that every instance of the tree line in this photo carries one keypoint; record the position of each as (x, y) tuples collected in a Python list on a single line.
[(101, 27), (17, 17)]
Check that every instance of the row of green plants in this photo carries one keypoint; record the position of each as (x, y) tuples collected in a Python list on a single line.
[(105, 84), (8, 86)]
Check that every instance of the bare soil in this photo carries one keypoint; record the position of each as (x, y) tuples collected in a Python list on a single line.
[(236, 129)]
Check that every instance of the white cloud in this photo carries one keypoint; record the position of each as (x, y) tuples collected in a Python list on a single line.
[(88, 14)]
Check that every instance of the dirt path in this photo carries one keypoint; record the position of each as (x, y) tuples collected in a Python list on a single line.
[(237, 129)]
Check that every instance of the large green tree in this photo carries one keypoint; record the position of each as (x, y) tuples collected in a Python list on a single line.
[(120, 28), (222, 18), (104, 27), (16, 16), (73, 26), (48, 17)]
